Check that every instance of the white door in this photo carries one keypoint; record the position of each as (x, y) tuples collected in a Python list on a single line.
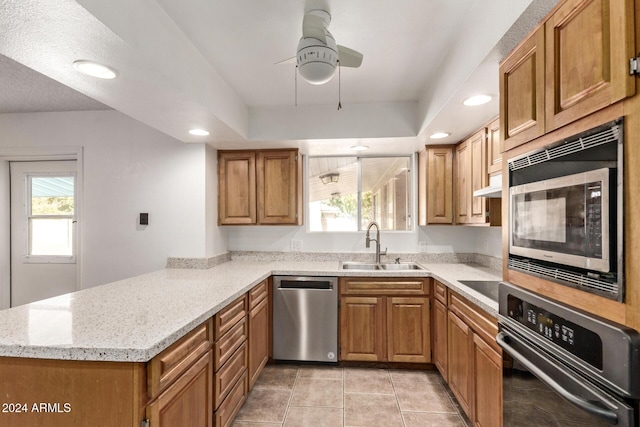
[(43, 230)]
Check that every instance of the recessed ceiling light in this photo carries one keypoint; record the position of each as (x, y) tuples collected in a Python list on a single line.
[(94, 69), (439, 135), (360, 147), (199, 132), (476, 100)]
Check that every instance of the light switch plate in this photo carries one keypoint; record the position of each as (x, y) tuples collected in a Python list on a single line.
[(422, 246), (296, 245)]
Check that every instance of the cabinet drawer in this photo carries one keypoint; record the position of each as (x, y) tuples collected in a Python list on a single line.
[(167, 366), (232, 404), (381, 286), (228, 375), (257, 294), (479, 320), (224, 348), (226, 318), (440, 292)]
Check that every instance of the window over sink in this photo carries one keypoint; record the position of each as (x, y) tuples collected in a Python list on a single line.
[(347, 193)]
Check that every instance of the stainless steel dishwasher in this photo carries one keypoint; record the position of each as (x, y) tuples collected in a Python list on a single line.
[(305, 318)]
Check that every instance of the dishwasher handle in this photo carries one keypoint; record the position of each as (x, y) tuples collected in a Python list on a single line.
[(317, 285)]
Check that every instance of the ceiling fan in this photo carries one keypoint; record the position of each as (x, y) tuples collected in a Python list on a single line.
[(318, 54)]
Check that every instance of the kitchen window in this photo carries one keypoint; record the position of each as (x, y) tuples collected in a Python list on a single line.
[(347, 193)]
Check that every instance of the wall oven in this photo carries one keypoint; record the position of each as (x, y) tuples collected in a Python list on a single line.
[(564, 367), (565, 212)]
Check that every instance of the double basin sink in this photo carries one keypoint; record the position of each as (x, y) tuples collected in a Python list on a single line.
[(353, 265)]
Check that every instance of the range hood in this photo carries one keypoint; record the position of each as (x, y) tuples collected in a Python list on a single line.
[(494, 190)]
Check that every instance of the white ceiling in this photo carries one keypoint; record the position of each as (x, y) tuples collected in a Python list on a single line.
[(210, 64)]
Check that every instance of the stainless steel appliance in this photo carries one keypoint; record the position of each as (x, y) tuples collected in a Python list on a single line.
[(305, 318), (565, 212), (569, 368)]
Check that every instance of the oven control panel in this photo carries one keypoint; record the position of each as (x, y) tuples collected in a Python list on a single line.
[(577, 340)]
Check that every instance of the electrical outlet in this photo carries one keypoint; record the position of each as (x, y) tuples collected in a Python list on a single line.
[(296, 245), (422, 246)]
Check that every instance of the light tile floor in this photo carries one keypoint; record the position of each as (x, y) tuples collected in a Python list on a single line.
[(315, 396)]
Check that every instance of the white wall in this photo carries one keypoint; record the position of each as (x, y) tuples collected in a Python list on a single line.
[(216, 237), (128, 168), (489, 241), (5, 255)]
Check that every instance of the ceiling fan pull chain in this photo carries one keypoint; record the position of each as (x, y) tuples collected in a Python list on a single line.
[(295, 78), (339, 91)]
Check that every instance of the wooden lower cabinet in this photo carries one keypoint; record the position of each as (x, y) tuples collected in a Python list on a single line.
[(385, 320), (258, 320), (408, 329), (487, 368), (362, 325), (474, 362), (440, 352), (460, 351), (188, 401)]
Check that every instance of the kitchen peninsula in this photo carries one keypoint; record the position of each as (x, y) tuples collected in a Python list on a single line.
[(85, 355)]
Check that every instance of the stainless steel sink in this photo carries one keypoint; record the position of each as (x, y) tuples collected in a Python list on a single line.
[(353, 265), (402, 266), (350, 265), (488, 288)]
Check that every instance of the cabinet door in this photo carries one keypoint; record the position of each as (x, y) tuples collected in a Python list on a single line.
[(588, 46), (188, 401), (435, 186), (362, 323), (463, 182), (494, 148), (488, 384), (258, 340), (479, 177), (460, 364), (440, 338), (236, 187), (278, 183), (522, 82), (408, 330)]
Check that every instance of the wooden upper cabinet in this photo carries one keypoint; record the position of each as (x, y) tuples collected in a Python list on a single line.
[(463, 182), (279, 187), (259, 187), (589, 44), (494, 148), (236, 187), (471, 175), (435, 185), (522, 93)]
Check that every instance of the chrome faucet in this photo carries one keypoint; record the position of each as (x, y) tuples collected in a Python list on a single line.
[(377, 240)]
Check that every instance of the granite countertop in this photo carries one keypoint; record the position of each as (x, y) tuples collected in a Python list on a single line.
[(133, 320)]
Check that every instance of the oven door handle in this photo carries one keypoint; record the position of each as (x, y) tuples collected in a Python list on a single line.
[(610, 416)]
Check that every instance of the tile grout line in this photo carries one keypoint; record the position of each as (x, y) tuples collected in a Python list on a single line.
[(295, 383), (395, 395)]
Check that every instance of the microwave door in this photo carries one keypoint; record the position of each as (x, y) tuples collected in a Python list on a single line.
[(563, 220)]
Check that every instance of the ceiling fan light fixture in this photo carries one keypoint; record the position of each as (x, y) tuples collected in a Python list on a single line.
[(359, 147), (476, 100), (94, 69), (317, 62)]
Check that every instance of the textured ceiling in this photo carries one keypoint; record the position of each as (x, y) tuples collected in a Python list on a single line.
[(23, 90), (210, 64)]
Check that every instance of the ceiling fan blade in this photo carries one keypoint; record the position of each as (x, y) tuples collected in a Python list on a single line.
[(313, 26), (349, 57), (291, 60)]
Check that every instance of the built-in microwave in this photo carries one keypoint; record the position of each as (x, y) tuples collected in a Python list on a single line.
[(563, 220), (566, 211)]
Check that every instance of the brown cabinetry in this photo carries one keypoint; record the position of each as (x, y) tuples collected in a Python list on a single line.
[(385, 320), (494, 148), (471, 175), (230, 360), (460, 372), (588, 46), (440, 352), (575, 63), (259, 187), (259, 338), (435, 185)]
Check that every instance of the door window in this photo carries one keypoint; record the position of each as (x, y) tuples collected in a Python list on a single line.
[(50, 218)]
